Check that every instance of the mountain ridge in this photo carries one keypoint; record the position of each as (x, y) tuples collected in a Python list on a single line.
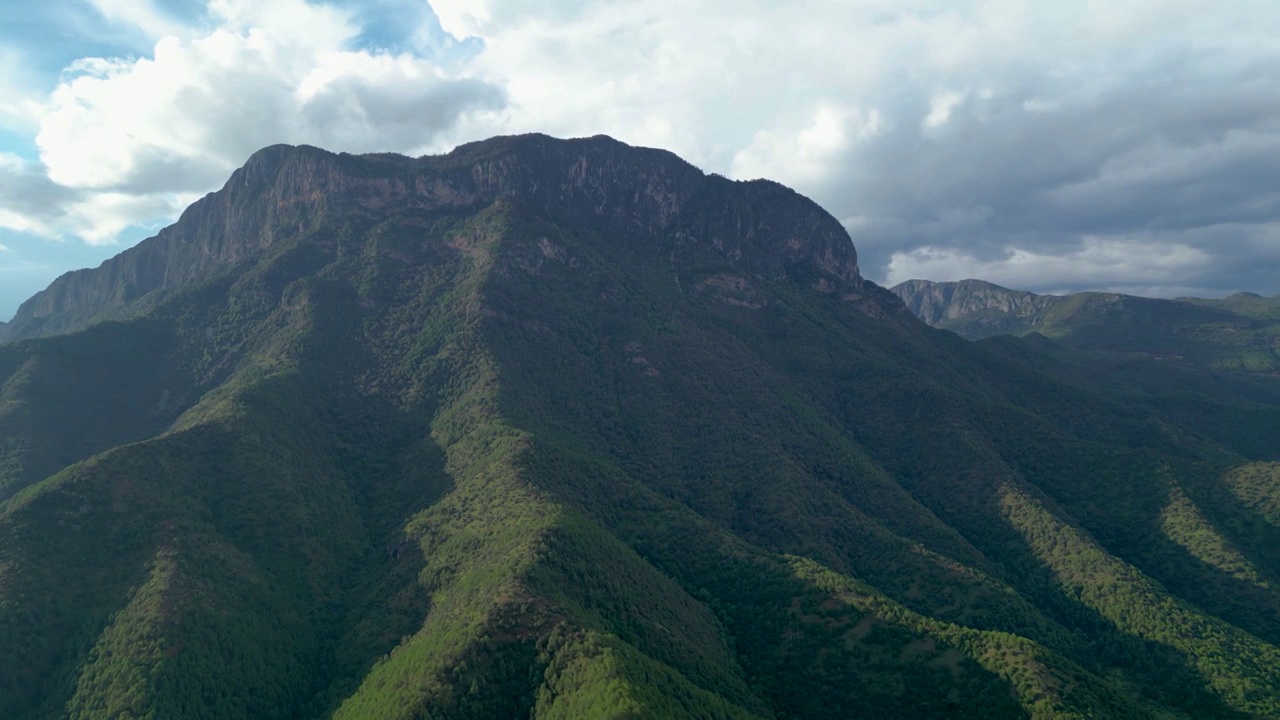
[(935, 303), (1240, 332), (623, 460), (281, 186)]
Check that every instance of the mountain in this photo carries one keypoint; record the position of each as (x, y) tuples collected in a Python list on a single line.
[(1241, 332), (568, 429), (973, 308)]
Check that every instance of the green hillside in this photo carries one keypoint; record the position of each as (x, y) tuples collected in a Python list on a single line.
[(568, 429)]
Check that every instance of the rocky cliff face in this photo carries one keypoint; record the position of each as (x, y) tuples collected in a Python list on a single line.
[(627, 194), (938, 302)]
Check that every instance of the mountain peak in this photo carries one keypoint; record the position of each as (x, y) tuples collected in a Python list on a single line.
[(597, 185), (939, 302)]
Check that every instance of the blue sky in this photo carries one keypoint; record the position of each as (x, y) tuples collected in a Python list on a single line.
[(1130, 145)]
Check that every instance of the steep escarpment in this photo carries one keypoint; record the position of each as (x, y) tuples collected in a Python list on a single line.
[(977, 304), (282, 193)]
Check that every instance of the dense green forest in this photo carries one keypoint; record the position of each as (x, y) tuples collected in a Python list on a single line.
[(568, 429)]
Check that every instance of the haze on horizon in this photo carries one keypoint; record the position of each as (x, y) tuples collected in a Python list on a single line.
[(1129, 146)]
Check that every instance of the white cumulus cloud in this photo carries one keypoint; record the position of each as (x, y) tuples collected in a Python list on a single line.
[(124, 141), (804, 155)]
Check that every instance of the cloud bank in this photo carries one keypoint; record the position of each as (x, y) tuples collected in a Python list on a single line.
[(1131, 146), (1124, 145), (123, 141)]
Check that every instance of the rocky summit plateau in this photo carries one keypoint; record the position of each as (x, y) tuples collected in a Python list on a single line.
[(552, 428)]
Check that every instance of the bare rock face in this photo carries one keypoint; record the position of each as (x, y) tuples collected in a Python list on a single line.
[(935, 302), (649, 198)]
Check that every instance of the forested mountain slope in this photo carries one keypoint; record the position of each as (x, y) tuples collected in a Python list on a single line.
[(568, 429)]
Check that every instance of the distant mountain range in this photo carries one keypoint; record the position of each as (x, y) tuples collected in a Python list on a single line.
[(1241, 332), (569, 429)]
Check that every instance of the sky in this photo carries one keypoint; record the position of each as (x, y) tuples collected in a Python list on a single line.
[(1127, 145)]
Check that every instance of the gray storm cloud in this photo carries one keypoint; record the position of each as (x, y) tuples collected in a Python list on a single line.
[(1178, 170)]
